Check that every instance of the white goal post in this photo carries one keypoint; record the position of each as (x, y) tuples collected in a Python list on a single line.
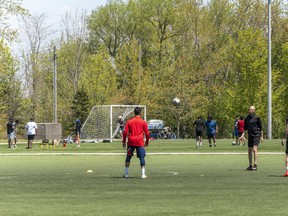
[(101, 123)]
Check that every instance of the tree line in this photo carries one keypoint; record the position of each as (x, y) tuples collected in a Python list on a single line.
[(213, 55)]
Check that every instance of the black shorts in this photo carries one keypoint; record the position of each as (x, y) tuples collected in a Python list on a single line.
[(199, 133), (31, 137), (287, 145), (209, 136), (254, 141)]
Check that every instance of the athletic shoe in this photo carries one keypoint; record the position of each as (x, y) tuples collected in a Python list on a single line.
[(286, 174), (249, 168), (254, 167), (214, 145), (125, 176), (143, 176), (210, 145)]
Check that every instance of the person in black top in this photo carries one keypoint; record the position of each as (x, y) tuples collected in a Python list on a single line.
[(253, 125), (200, 126), (78, 132), (282, 142), (10, 133)]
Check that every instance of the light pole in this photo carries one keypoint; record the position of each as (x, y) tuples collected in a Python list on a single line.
[(55, 86), (269, 128)]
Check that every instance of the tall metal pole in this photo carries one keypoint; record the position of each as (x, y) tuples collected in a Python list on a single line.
[(269, 128), (55, 86)]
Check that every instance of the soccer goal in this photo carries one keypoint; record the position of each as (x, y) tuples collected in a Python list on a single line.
[(101, 124)]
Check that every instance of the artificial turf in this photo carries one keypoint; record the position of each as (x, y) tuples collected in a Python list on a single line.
[(177, 184)]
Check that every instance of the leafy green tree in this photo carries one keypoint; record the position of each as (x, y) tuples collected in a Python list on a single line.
[(99, 79), (10, 91), (80, 105), (108, 27), (9, 8)]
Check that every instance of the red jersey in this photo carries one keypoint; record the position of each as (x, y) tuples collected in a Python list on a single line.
[(240, 125), (135, 129)]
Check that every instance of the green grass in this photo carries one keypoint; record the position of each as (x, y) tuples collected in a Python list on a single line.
[(223, 145), (177, 185)]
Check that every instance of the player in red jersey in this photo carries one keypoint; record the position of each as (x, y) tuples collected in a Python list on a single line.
[(136, 130), (240, 126)]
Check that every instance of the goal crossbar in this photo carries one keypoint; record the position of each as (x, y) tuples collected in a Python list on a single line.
[(101, 123)]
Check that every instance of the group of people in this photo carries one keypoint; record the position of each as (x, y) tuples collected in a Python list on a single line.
[(136, 137), (212, 130), (252, 124), (31, 129)]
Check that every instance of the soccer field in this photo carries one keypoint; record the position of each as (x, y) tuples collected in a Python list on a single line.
[(177, 184)]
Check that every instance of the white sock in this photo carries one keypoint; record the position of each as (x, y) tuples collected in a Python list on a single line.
[(143, 170), (287, 168), (197, 143), (126, 170), (200, 144)]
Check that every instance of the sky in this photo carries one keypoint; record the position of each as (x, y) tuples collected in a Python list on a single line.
[(55, 9)]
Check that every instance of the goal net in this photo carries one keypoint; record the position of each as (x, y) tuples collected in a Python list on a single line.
[(101, 124)]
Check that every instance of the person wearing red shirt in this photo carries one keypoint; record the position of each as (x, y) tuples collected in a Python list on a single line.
[(240, 126), (136, 130)]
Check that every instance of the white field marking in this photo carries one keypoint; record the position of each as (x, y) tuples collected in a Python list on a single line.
[(121, 154), (5, 177), (173, 173)]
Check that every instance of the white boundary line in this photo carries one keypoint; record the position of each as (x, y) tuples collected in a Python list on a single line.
[(120, 154)]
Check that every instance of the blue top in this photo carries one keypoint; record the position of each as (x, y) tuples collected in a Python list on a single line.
[(211, 126)]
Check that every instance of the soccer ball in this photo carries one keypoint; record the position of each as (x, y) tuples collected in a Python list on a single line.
[(176, 101), (233, 143)]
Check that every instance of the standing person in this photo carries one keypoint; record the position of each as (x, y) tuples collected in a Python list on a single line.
[(31, 128), (10, 133), (200, 126), (212, 129), (253, 125), (121, 124), (240, 126), (235, 127), (78, 132), (135, 130), (282, 142)]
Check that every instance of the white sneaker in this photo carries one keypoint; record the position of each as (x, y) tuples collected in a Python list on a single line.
[(143, 176), (125, 176)]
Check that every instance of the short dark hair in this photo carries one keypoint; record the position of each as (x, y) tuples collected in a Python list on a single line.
[(199, 117), (137, 110), (210, 117)]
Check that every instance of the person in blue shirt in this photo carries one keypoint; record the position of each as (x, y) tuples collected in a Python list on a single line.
[(212, 129)]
